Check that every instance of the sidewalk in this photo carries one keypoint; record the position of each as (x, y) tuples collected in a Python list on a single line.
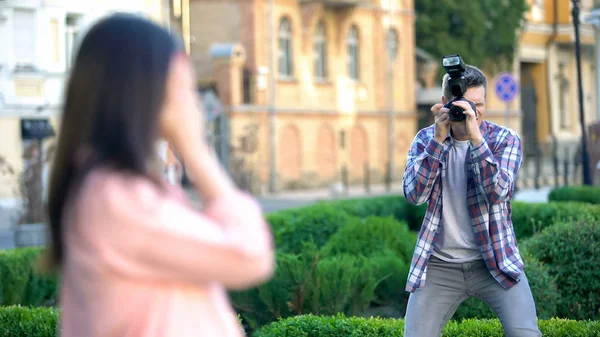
[(525, 195), (356, 191)]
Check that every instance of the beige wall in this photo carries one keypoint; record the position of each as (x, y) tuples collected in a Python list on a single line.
[(311, 114), (309, 149)]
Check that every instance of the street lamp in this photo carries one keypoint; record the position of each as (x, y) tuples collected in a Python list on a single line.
[(587, 177)]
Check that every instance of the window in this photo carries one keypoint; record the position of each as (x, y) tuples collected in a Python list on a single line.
[(285, 48), (353, 53), (24, 27), (564, 97), (320, 49), (71, 34), (392, 43)]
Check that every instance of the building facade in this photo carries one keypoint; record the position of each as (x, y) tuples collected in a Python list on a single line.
[(38, 39), (314, 92), (549, 82)]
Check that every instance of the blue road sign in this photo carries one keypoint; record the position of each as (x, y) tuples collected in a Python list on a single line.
[(506, 87)]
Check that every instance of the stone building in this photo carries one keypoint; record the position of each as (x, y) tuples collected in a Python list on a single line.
[(311, 90), (38, 40)]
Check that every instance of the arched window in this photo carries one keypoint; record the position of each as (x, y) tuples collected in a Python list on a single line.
[(353, 53), (320, 50), (392, 43), (285, 48)]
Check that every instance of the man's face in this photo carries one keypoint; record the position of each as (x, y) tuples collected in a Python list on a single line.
[(477, 96)]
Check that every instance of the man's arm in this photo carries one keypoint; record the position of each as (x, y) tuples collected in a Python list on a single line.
[(495, 173), (422, 167)]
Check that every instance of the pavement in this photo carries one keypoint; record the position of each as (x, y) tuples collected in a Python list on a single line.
[(293, 199)]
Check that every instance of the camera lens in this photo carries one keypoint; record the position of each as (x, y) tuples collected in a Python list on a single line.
[(456, 114)]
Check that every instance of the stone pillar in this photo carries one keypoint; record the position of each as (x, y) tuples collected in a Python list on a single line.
[(228, 70)]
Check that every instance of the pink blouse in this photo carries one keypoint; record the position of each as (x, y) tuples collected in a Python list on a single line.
[(141, 262)]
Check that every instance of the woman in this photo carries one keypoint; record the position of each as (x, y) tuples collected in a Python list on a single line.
[(135, 258)]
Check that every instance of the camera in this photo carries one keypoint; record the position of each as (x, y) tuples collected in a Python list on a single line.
[(455, 67)]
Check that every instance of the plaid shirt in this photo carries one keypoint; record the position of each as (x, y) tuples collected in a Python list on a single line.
[(491, 169)]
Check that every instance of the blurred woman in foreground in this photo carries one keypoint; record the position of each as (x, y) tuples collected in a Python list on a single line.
[(135, 258)]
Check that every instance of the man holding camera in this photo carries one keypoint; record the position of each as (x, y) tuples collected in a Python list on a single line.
[(466, 169)]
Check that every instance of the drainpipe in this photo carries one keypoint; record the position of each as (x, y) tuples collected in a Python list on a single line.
[(271, 108), (391, 120)]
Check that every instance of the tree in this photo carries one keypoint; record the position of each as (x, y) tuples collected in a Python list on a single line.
[(483, 32)]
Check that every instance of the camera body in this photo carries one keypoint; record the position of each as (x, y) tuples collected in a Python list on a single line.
[(455, 67)]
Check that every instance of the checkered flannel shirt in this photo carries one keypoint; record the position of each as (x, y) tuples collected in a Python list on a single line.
[(492, 168)]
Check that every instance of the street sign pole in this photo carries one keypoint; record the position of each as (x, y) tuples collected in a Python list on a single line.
[(506, 90), (507, 115)]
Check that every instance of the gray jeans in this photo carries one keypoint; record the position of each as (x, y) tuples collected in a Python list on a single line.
[(449, 284)]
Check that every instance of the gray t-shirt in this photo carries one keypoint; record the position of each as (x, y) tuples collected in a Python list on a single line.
[(456, 241)]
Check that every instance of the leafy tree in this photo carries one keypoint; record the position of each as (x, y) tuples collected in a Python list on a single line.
[(483, 32)]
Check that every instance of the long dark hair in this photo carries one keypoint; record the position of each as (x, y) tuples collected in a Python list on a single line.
[(112, 109)]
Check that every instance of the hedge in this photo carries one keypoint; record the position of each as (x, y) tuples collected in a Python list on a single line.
[(349, 274), (17, 321), (587, 194), (531, 218), (20, 283), (362, 269), (571, 250), (527, 218), (341, 326), (336, 256)]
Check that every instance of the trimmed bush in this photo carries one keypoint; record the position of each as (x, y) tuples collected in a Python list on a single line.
[(372, 235), (341, 326), (311, 283), (314, 224), (394, 206), (543, 287), (531, 218), (391, 244), (20, 284), (571, 250), (587, 194), (16, 321)]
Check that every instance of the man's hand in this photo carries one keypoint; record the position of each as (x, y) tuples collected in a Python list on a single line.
[(471, 123), (442, 122)]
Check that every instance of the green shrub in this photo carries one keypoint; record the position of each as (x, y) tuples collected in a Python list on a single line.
[(372, 235), (314, 224), (390, 292), (571, 250), (394, 206), (19, 282), (543, 287), (341, 326), (588, 194), (311, 283), (16, 321), (530, 218), (390, 243), (279, 222)]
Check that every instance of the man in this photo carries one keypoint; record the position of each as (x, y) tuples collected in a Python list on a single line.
[(172, 168), (466, 172)]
